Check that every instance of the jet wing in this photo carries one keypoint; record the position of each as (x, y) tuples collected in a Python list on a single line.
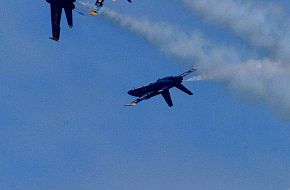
[(165, 93), (167, 97), (55, 21)]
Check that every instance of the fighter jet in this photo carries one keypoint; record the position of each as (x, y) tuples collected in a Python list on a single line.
[(85, 8), (161, 86), (93, 9), (100, 3), (56, 7)]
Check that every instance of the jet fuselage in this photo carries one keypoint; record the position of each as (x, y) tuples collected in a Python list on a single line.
[(63, 3), (155, 88)]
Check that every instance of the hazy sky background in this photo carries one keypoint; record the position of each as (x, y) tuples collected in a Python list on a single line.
[(64, 126)]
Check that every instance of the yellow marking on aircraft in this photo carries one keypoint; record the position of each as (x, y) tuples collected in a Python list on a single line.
[(133, 104), (93, 13)]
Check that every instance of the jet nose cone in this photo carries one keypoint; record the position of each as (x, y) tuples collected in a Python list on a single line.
[(131, 92)]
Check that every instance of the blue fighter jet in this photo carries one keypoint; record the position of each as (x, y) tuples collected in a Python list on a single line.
[(161, 86)]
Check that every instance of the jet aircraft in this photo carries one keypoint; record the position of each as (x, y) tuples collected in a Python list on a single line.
[(93, 9), (56, 7), (85, 8), (161, 86), (100, 3)]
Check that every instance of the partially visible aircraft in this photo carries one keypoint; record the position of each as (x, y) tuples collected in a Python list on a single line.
[(86, 8), (161, 86), (56, 7), (100, 3)]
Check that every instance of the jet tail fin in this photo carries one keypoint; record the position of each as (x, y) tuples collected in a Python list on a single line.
[(167, 97), (69, 16), (184, 89), (187, 72)]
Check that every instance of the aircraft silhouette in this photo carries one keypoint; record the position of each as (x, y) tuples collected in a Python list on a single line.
[(161, 86)]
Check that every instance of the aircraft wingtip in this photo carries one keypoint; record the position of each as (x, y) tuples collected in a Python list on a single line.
[(55, 39), (131, 104)]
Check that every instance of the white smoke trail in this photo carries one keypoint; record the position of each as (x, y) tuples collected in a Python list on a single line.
[(262, 24), (263, 81), (189, 47)]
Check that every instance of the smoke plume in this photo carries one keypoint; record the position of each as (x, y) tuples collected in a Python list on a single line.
[(263, 25)]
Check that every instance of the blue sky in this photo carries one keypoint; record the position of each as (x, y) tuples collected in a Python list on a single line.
[(64, 126)]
